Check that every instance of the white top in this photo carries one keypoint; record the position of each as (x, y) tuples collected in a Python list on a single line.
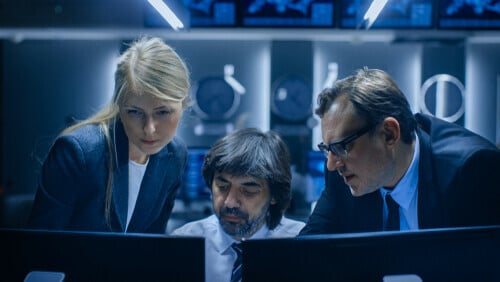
[(219, 256), (135, 174)]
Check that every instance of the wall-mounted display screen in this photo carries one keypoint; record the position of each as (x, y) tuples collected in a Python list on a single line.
[(397, 14), (302, 13), (462, 14), (204, 13), (211, 13)]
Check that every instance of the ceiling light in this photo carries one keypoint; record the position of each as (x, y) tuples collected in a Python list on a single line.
[(167, 14), (373, 12)]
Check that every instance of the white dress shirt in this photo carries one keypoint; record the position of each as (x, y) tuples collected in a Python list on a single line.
[(219, 256)]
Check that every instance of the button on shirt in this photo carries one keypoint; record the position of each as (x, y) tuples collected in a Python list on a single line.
[(406, 194), (219, 256)]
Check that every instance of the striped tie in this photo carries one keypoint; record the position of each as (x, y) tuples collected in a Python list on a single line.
[(236, 274)]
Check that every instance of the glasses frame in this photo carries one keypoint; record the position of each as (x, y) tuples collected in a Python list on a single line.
[(338, 148)]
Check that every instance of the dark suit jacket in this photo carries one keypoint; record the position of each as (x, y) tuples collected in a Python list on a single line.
[(72, 187), (458, 185)]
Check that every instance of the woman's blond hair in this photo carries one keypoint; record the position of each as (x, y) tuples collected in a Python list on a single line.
[(148, 67)]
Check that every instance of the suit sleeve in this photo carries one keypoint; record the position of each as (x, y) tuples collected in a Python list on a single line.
[(474, 196), (62, 172), (324, 217)]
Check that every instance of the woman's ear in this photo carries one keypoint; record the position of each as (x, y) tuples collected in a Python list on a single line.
[(273, 201), (391, 130)]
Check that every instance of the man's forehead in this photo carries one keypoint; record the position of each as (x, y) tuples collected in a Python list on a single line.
[(338, 120), (239, 178)]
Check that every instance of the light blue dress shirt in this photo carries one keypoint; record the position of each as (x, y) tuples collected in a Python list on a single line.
[(406, 194)]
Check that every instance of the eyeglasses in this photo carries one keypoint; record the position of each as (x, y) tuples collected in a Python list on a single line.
[(339, 148)]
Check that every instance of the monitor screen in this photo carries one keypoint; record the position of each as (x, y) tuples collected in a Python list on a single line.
[(397, 14), (211, 13), (469, 14), (308, 13), (316, 170), (87, 256), (457, 254), (193, 185)]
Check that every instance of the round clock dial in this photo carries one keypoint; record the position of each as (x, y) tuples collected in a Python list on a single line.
[(215, 99), (291, 99)]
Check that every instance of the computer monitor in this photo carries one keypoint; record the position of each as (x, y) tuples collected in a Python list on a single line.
[(215, 13), (316, 170), (313, 13), (458, 254), (193, 184), (211, 13), (454, 14), (88, 256), (397, 14)]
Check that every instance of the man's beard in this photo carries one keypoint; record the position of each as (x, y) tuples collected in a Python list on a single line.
[(241, 229)]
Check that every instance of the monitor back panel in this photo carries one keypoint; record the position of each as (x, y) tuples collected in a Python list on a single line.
[(466, 254), (86, 256)]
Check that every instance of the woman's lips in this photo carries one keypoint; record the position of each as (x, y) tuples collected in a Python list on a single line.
[(147, 142)]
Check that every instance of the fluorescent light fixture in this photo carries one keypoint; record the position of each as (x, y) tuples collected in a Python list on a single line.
[(228, 77), (373, 12), (167, 14)]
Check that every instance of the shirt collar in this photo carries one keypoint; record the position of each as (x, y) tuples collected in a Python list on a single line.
[(405, 190)]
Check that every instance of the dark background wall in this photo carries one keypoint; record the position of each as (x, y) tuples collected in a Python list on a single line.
[(45, 83)]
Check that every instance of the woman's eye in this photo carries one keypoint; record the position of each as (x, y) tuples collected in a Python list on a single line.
[(134, 113), (163, 113)]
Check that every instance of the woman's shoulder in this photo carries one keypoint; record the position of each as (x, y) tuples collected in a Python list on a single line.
[(85, 130), (87, 137)]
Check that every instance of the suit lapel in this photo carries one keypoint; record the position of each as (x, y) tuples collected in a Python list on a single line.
[(120, 175), (430, 213), (155, 188)]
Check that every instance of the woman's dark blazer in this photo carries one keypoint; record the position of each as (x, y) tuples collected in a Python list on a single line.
[(458, 185), (72, 186)]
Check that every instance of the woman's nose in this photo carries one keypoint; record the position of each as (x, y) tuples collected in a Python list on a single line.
[(149, 125)]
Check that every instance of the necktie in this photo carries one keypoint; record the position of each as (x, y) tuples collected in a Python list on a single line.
[(236, 274), (393, 216)]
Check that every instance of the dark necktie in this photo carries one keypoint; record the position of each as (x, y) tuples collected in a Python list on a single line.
[(236, 273), (393, 216)]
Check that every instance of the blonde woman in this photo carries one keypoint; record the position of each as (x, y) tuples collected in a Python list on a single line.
[(120, 169)]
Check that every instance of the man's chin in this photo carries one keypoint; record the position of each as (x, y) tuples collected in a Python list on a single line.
[(231, 228), (355, 191)]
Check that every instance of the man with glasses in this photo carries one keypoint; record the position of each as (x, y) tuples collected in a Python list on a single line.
[(388, 169)]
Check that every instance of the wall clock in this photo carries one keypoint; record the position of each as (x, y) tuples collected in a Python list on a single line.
[(214, 99), (291, 99)]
